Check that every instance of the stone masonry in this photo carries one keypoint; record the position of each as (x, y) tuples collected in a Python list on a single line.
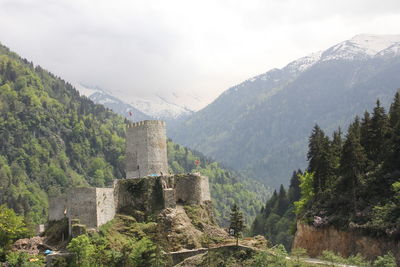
[(146, 149), (92, 206), (148, 188)]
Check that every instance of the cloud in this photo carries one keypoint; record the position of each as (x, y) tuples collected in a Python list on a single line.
[(138, 48)]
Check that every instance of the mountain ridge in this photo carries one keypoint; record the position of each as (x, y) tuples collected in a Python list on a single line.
[(160, 107), (254, 125)]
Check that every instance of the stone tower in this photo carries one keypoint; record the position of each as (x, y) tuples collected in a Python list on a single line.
[(146, 149)]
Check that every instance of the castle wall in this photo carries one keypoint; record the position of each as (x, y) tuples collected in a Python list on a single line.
[(57, 207), (205, 189), (146, 148), (140, 194), (105, 205), (82, 205), (192, 189), (169, 198)]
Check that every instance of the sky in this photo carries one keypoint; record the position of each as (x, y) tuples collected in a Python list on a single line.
[(201, 48)]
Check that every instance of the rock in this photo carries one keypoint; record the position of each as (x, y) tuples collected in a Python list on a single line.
[(32, 246), (345, 243)]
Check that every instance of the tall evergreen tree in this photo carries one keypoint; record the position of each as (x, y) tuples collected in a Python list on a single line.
[(294, 192), (236, 223), (366, 138), (353, 161), (282, 203), (394, 111), (319, 158), (393, 161), (270, 204), (365, 131), (379, 134)]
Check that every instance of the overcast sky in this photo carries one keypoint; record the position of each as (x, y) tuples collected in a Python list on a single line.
[(139, 48)]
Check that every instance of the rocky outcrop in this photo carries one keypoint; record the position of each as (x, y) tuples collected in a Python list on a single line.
[(316, 240), (182, 231)]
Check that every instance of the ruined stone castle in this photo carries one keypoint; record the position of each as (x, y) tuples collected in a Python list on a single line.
[(148, 187)]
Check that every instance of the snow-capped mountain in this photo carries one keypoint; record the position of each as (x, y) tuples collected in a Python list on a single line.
[(261, 125), (362, 46), (162, 107), (101, 96)]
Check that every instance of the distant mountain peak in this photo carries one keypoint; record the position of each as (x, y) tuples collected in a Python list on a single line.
[(160, 106), (360, 46), (374, 43), (261, 125)]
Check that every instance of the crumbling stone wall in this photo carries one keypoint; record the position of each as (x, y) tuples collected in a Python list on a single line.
[(140, 194), (82, 205), (105, 205), (140, 197), (192, 188), (57, 208), (92, 206), (146, 149)]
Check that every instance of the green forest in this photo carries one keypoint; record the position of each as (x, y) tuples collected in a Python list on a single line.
[(53, 139), (352, 182), (277, 219), (227, 186)]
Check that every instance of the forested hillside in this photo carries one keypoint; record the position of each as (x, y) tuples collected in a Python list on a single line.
[(51, 138), (261, 125), (277, 219), (227, 186), (351, 183), (354, 182)]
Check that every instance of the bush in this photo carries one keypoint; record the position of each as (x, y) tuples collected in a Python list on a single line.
[(83, 250), (12, 227), (387, 260)]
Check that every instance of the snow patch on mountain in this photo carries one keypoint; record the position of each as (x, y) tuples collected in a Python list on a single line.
[(391, 51), (162, 107), (360, 46), (87, 90), (304, 63), (372, 44)]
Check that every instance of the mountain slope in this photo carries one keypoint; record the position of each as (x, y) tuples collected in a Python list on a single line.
[(51, 138), (261, 125), (102, 97), (160, 108)]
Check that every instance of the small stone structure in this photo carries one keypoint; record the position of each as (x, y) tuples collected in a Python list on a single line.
[(146, 154), (92, 206), (150, 194), (146, 149)]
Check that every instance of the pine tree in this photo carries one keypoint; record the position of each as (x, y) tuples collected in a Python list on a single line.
[(294, 192), (393, 161), (319, 158), (270, 204), (282, 203), (353, 161), (379, 134), (365, 130), (394, 111), (236, 223)]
